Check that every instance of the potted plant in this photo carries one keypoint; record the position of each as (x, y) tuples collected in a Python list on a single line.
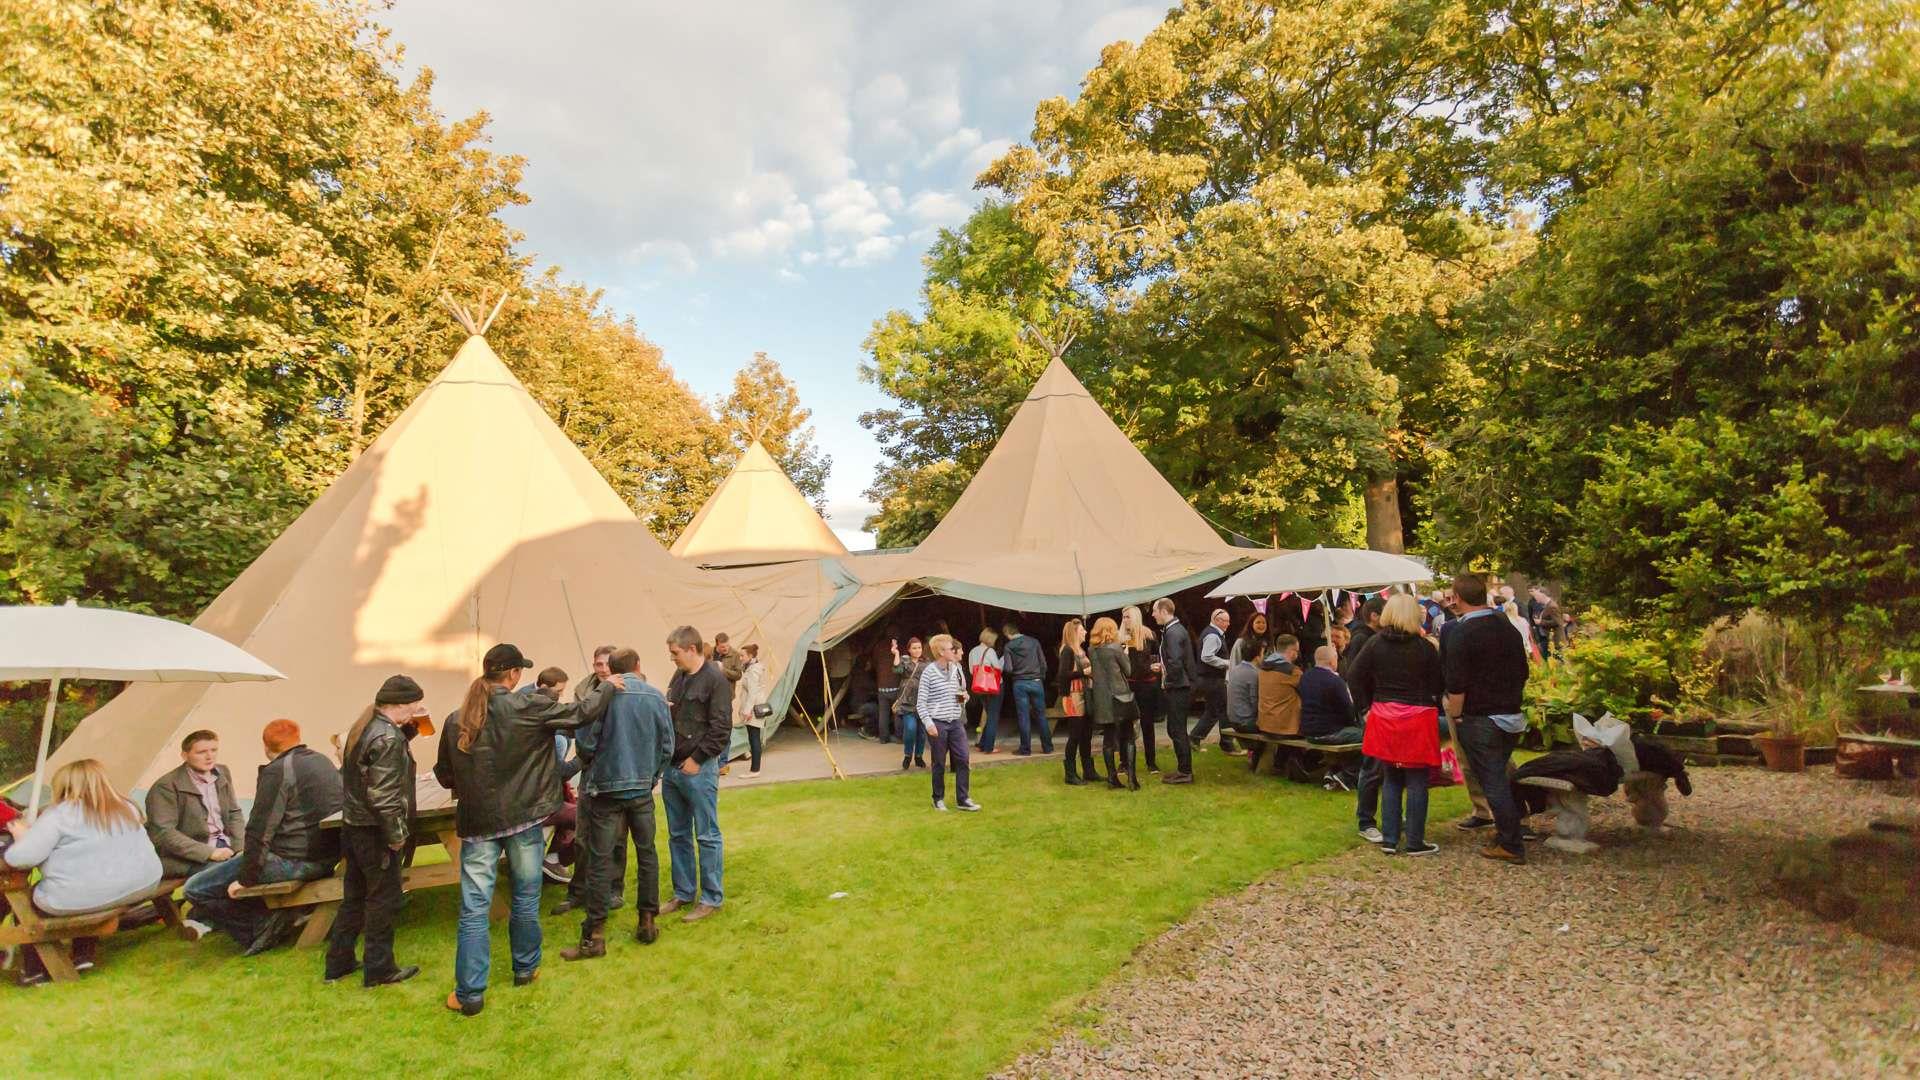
[(1783, 746)]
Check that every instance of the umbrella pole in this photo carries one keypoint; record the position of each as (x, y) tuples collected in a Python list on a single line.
[(40, 761)]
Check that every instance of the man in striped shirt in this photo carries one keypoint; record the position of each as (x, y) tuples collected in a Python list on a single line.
[(941, 706)]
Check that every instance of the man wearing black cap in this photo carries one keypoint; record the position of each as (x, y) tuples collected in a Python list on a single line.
[(376, 780), (496, 756)]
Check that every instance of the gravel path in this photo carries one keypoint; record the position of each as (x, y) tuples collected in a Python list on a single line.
[(1659, 955)]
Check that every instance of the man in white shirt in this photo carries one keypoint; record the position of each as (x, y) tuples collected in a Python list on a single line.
[(941, 707)]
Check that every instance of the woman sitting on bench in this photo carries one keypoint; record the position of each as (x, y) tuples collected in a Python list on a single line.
[(92, 850)]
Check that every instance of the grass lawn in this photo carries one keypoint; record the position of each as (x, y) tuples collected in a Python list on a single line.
[(963, 938)]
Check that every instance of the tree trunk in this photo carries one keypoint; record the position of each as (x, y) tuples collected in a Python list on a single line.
[(1383, 514)]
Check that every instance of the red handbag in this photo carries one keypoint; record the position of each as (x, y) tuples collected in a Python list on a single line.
[(986, 679)]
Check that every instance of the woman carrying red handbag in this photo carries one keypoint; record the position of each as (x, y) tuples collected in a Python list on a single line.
[(985, 671)]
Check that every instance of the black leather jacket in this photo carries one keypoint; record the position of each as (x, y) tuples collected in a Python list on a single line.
[(294, 794), (376, 781), (509, 775)]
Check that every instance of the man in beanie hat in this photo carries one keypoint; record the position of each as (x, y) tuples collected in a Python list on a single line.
[(496, 756), (376, 781)]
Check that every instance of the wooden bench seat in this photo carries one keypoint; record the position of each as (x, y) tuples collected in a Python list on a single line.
[(1298, 759), (1646, 793), (51, 936)]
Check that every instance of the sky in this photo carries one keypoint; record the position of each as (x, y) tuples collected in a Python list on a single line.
[(757, 176)]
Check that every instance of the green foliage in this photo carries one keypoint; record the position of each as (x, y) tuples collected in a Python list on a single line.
[(1273, 206), (224, 233), (959, 369), (1708, 398)]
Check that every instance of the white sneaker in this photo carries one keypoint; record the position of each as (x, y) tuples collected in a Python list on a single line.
[(195, 929), (753, 774), (970, 806), (941, 805), (1372, 835)]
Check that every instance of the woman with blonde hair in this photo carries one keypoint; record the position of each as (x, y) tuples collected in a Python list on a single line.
[(1072, 672), (92, 850), (985, 669), (1110, 701), (1396, 684), (1143, 677)]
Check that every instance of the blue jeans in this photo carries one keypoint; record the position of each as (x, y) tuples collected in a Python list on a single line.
[(1393, 781), (1488, 750), (241, 919), (989, 719), (693, 814), (479, 869), (1030, 706), (913, 737)]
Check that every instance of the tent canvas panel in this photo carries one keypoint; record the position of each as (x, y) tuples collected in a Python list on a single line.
[(472, 519)]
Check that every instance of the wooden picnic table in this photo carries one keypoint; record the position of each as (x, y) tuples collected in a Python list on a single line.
[(51, 936), (323, 895)]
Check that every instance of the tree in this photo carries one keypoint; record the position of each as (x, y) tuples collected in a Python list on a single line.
[(1274, 207), (1705, 395), (213, 212), (765, 405)]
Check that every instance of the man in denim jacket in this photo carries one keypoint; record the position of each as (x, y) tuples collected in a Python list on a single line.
[(627, 751)]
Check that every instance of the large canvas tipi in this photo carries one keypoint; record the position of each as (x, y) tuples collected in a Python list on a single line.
[(471, 520), (1065, 516), (756, 516)]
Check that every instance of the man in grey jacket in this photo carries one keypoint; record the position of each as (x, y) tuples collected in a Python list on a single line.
[(192, 816), (1178, 669)]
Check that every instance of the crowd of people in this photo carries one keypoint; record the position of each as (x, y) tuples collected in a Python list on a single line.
[(517, 760), (1402, 674)]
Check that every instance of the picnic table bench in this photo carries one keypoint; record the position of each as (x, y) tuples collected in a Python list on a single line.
[(51, 936), (1860, 755), (1646, 794), (1301, 760), (323, 895)]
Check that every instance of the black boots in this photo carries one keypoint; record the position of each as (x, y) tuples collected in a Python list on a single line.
[(1113, 774)]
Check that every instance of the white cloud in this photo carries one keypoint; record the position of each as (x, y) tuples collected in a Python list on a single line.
[(1127, 24), (871, 250), (786, 220), (760, 130), (939, 208), (670, 254), (957, 143), (851, 208)]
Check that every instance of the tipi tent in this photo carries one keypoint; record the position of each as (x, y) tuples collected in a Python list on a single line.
[(471, 520), (1066, 515), (756, 516)]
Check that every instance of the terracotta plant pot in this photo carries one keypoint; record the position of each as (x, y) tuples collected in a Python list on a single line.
[(1783, 753)]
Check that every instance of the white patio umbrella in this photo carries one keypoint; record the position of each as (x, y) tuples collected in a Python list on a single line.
[(1324, 568), (72, 642)]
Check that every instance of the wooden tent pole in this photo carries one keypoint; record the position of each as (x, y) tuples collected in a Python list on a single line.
[(827, 721)]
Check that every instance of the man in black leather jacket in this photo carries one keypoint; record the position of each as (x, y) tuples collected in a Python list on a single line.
[(377, 781)]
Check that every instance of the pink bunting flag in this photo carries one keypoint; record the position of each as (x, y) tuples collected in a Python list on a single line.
[(1260, 604)]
